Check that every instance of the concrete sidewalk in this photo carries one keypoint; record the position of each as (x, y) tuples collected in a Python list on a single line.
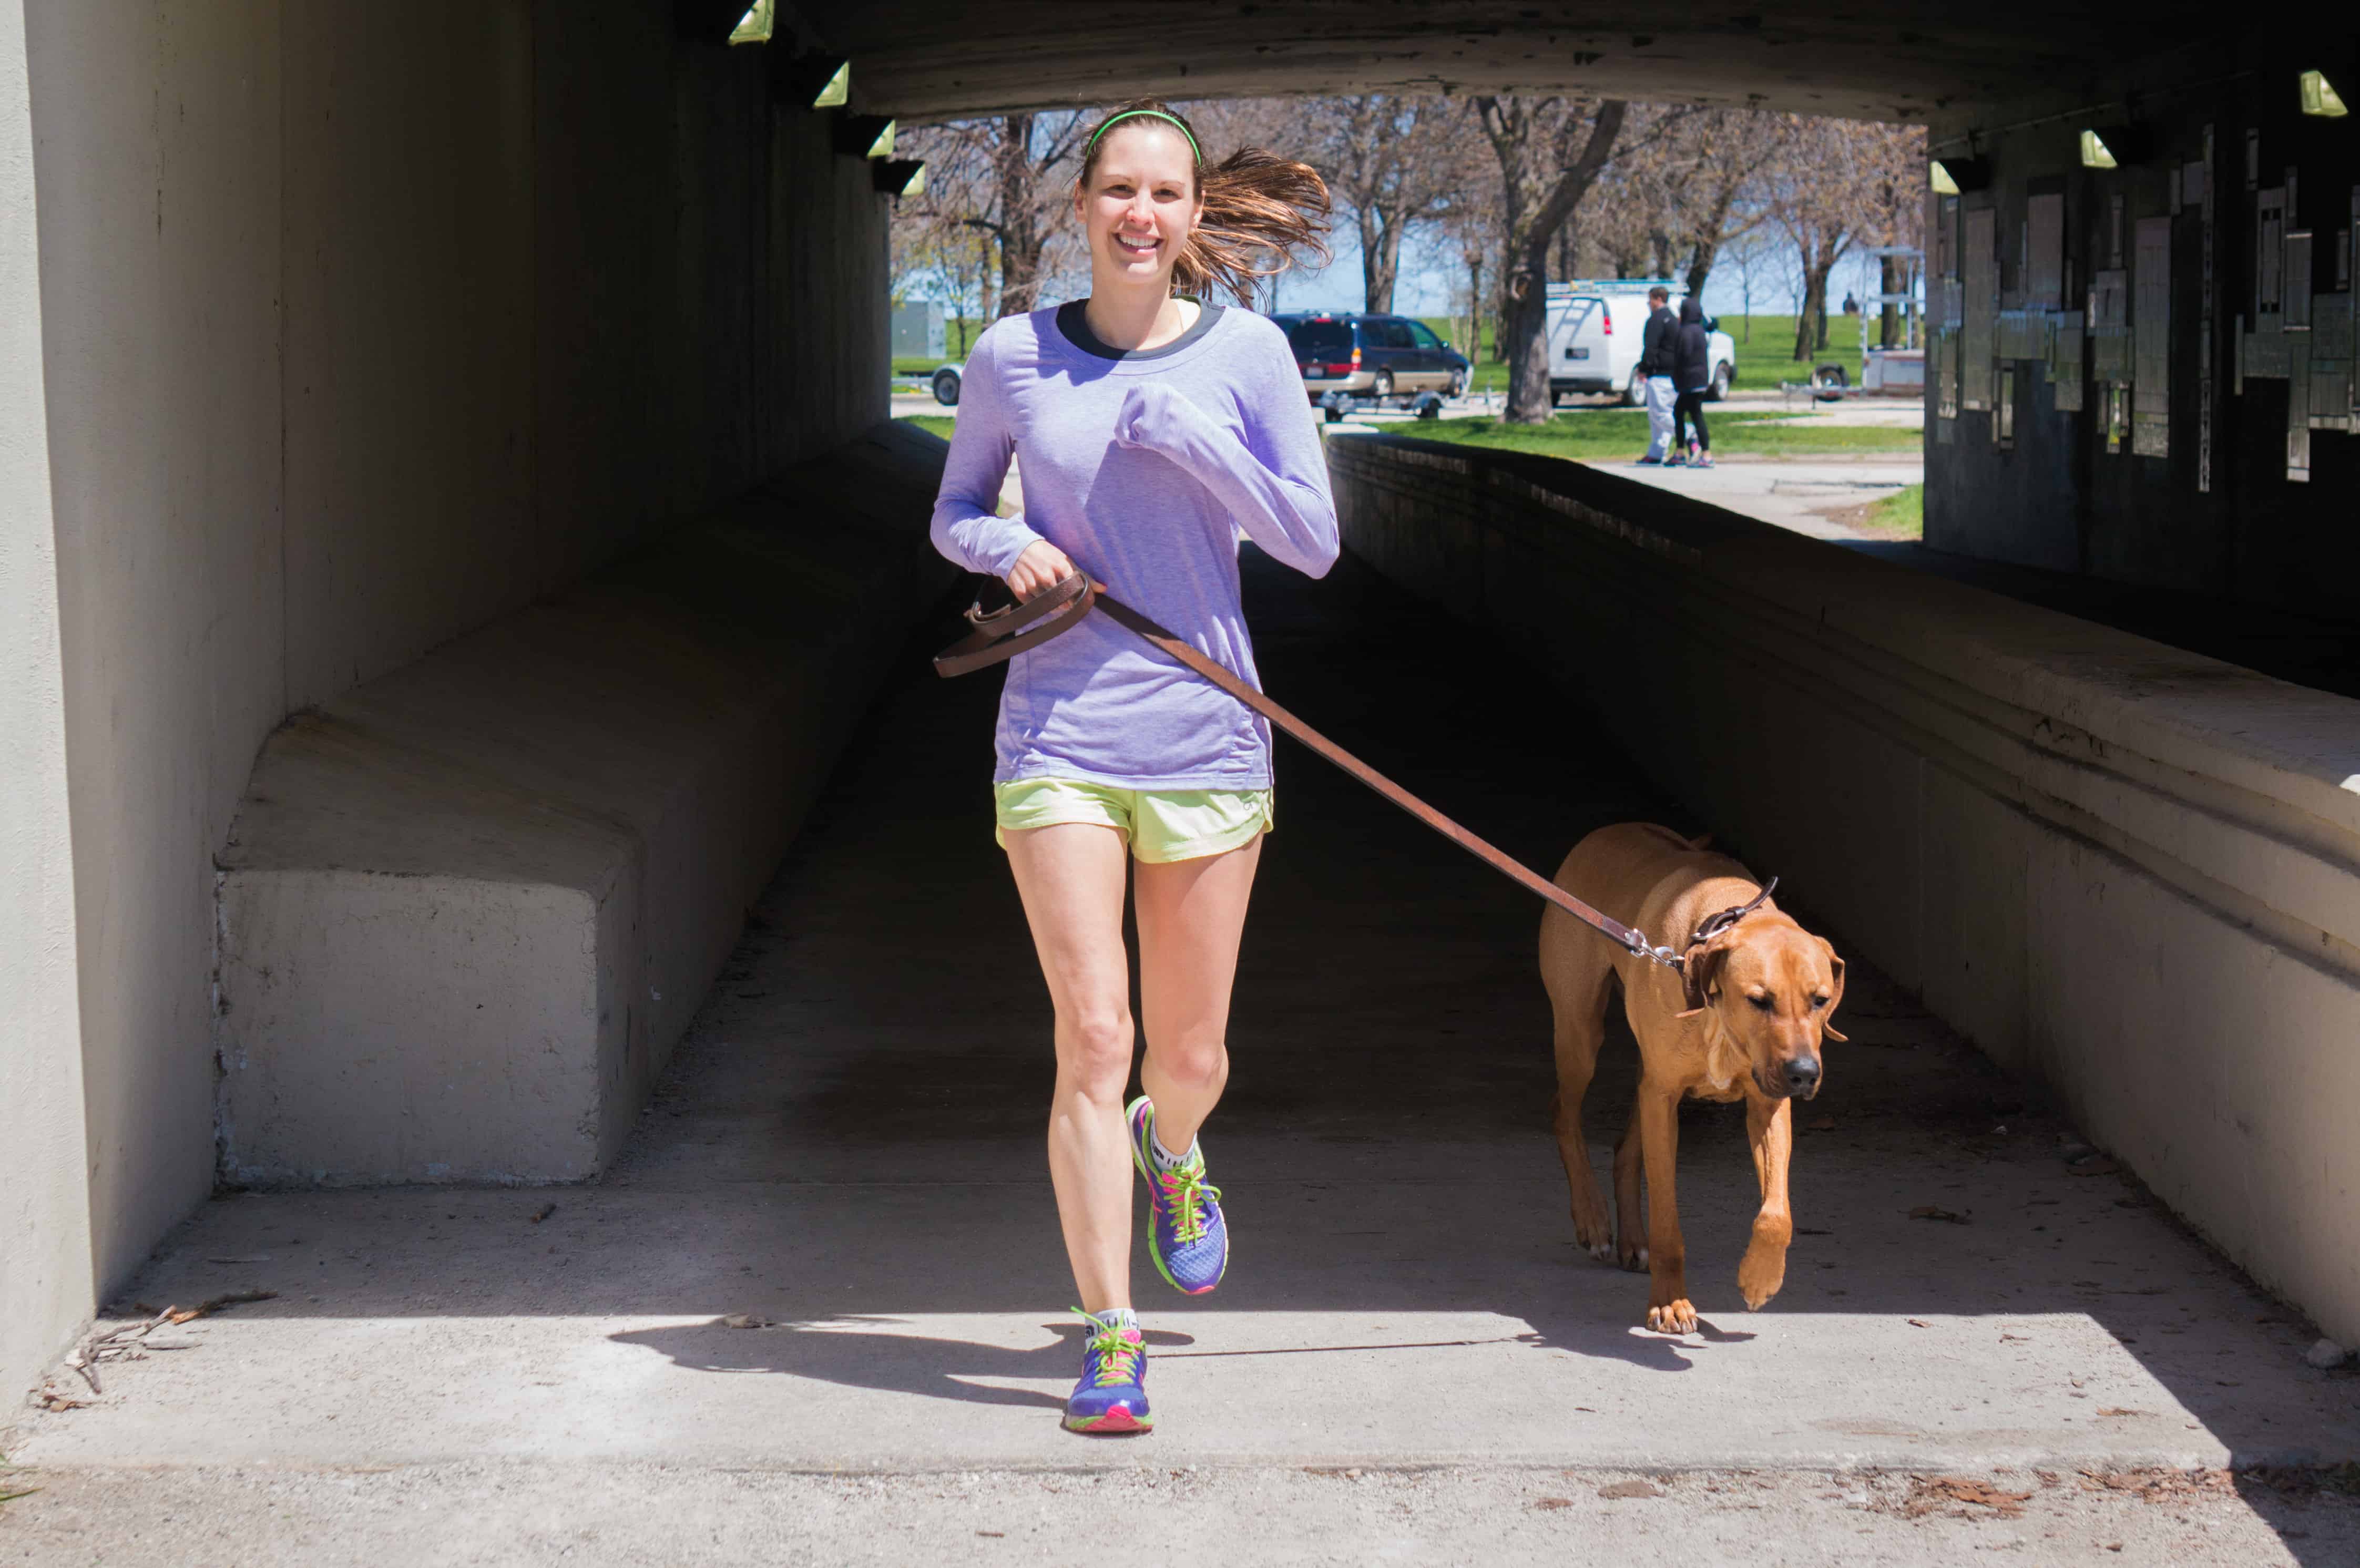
[(846, 1155), (1801, 495)]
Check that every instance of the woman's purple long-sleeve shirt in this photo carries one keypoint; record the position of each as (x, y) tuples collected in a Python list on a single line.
[(1143, 467)]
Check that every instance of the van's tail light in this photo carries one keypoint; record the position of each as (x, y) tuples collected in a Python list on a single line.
[(1339, 370), (1608, 316), (1356, 356)]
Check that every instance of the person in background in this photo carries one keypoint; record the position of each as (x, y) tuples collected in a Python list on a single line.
[(1656, 365), (1689, 353)]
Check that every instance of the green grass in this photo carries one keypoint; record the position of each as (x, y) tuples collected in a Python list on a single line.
[(932, 424), (1901, 514), (1612, 434)]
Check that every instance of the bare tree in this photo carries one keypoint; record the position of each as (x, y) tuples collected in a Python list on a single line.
[(1390, 163), (1476, 233), (1842, 184), (1542, 179), (1008, 179), (1723, 156)]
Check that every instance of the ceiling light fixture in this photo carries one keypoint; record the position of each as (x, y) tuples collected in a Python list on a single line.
[(2319, 97), (1957, 176), (813, 80), (899, 176), (865, 135), (2113, 146), (755, 25)]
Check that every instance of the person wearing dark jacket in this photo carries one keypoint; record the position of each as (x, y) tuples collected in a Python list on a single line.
[(1656, 369), (1690, 353)]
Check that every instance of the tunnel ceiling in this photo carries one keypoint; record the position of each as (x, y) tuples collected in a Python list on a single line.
[(937, 59)]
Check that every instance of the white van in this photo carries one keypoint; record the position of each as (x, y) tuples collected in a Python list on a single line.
[(1595, 329)]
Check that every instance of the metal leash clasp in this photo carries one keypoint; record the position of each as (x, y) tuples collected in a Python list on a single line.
[(1663, 956)]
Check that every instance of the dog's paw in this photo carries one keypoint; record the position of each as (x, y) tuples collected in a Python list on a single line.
[(1602, 1250), (1760, 1275), (1673, 1317), (1593, 1230), (1633, 1256)]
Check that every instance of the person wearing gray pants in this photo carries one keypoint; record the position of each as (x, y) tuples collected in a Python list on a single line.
[(1656, 364)]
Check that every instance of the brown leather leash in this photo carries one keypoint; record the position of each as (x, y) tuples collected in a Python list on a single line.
[(1001, 634)]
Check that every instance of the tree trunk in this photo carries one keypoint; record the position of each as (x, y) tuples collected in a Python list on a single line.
[(1700, 267), (1893, 279), (1535, 212), (1022, 239), (1811, 323), (1474, 345), (1380, 239)]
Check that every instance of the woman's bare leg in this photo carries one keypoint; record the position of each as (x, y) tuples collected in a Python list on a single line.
[(1071, 879), (1191, 915)]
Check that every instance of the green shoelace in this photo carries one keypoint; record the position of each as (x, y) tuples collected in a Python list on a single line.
[(1187, 1191), (1118, 1359)]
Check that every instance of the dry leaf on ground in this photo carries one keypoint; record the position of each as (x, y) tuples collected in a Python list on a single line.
[(1929, 1494)]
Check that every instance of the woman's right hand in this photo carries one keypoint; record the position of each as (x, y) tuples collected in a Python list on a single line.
[(1043, 565)]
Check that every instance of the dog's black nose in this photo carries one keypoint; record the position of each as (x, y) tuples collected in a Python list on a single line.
[(1802, 1074)]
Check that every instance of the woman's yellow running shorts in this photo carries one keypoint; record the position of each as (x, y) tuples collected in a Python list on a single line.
[(1162, 826)]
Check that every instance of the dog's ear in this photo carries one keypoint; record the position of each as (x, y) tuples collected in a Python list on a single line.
[(1700, 973), (1835, 999)]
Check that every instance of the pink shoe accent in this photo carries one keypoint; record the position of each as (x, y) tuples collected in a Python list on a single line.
[(1118, 1420)]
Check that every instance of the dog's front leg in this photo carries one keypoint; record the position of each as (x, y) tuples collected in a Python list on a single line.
[(1770, 1128), (1668, 1310)]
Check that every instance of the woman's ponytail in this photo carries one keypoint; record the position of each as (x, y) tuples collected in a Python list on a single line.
[(1260, 209)]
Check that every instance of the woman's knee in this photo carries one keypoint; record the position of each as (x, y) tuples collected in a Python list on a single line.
[(1192, 1065), (1094, 1050)]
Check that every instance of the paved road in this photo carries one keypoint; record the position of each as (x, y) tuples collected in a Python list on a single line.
[(847, 1152)]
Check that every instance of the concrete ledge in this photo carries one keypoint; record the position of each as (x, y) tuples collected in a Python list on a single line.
[(2131, 871), (466, 908)]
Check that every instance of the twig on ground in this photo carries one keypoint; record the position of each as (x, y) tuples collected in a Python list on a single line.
[(129, 1341), (213, 1304), (12, 1496)]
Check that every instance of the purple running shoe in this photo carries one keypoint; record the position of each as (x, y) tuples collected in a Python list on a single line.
[(1185, 1233), (1112, 1397)]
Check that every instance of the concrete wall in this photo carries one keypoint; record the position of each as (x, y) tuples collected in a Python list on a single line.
[(468, 907), (2233, 524), (2131, 872), (45, 1278), (362, 325)]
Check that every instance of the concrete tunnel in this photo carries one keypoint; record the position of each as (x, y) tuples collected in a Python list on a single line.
[(454, 529)]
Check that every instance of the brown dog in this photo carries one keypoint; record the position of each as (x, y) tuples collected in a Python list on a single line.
[(1746, 1019)]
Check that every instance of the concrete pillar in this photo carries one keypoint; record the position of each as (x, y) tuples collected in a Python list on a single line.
[(45, 1263)]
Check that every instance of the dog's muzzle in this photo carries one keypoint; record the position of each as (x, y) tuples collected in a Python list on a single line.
[(1803, 1077)]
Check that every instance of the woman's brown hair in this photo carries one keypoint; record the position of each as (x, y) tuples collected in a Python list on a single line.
[(1260, 209)]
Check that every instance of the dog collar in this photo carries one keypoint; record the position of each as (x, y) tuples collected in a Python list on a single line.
[(1715, 924)]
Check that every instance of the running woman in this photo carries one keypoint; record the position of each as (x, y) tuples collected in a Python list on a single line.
[(1151, 426)]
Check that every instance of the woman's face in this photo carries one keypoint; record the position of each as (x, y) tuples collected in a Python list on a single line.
[(1142, 202)]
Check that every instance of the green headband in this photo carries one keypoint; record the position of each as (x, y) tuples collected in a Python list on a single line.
[(1154, 114)]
